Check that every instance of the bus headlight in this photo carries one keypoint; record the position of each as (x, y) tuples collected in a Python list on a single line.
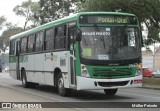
[(139, 72), (85, 73)]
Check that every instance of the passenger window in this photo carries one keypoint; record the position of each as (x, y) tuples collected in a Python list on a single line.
[(24, 45), (60, 37), (31, 43), (49, 39), (39, 41), (12, 47)]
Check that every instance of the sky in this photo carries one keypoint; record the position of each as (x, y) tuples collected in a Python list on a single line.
[(6, 9)]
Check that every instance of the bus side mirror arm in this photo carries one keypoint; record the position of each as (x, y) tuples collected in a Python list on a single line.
[(142, 43), (78, 35)]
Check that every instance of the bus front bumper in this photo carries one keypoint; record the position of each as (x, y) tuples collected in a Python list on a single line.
[(84, 83)]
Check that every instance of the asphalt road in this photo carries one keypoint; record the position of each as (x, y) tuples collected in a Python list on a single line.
[(11, 90)]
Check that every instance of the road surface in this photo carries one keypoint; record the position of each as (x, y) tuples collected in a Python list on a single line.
[(12, 91)]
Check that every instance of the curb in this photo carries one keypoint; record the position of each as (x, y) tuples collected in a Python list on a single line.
[(151, 87)]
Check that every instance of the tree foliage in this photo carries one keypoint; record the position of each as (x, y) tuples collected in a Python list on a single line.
[(4, 38), (2, 21), (27, 10), (54, 9), (148, 12)]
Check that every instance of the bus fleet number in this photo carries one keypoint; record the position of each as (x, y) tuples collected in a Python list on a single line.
[(103, 57)]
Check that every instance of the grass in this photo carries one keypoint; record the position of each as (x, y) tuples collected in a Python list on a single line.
[(151, 81)]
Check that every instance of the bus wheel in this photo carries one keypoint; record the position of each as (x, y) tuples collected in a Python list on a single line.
[(110, 91), (25, 84), (61, 89)]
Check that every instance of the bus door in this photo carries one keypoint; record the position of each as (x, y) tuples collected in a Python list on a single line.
[(72, 36), (17, 52)]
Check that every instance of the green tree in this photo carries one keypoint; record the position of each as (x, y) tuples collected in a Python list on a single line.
[(2, 22), (4, 38), (54, 9), (27, 10), (148, 12)]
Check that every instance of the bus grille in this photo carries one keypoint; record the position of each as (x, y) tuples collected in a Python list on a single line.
[(112, 84), (112, 72)]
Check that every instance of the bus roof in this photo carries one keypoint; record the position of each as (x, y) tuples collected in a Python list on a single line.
[(73, 17)]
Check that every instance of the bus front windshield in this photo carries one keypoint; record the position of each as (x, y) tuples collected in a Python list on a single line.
[(110, 43)]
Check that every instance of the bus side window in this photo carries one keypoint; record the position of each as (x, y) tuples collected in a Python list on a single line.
[(31, 43), (49, 39), (60, 37), (23, 45), (39, 41), (12, 47)]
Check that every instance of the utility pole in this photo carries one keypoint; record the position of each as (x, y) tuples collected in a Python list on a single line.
[(154, 55)]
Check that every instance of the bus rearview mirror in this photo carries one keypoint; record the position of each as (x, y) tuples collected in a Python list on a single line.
[(78, 35)]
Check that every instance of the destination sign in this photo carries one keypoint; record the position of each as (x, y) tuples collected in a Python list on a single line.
[(107, 19), (112, 19)]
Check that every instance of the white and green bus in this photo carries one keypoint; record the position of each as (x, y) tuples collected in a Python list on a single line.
[(88, 50)]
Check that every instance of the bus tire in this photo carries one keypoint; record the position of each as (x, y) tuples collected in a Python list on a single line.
[(110, 91), (25, 84), (60, 86)]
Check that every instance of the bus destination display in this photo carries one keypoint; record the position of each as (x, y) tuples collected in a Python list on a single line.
[(109, 19)]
